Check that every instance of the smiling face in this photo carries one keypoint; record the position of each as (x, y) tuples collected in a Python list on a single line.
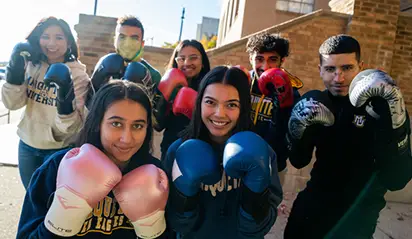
[(54, 44), (189, 61), (337, 72), (123, 130), (220, 110)]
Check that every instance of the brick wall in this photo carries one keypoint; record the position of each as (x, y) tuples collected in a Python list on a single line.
[(95, 38), (402, 58), (305, 34), (374, 24)]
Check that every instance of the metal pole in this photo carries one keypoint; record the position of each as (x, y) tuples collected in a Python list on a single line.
[(181, 24), (95, 7)]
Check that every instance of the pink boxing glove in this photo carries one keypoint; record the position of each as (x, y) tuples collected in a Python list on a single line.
[(142, 195), (80, 185), (185, 102)]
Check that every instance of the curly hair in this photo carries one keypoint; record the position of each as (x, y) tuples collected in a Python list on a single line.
[(265, 42)]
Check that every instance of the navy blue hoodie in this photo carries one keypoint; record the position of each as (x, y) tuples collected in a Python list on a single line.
[(106, 221), (219, 213)]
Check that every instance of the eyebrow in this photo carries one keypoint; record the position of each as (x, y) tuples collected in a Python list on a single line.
[(231, 100), (345, 65), (120, 118), (135, 35)]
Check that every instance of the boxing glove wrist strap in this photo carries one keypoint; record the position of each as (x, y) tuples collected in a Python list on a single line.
[(66, 104), (181, 202), (67, 213), (256, 204), (152, 226)]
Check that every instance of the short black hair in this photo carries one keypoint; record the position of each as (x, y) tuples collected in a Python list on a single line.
[(265, 42), (340, 44), (130, 20)]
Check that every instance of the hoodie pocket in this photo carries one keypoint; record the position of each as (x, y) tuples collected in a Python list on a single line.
[(38, 135)]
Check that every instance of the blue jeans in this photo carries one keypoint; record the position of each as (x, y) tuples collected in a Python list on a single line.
[(30, 159)]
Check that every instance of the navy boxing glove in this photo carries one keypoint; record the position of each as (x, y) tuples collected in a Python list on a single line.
[(110, 65), (195, 163), (137, 73), (248, 156), (59, 75), (15, 69)]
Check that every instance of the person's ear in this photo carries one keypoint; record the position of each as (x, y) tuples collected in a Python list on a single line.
[(361, 66), (320, 70)]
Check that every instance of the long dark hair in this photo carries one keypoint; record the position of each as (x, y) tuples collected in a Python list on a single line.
[(33, 38), (111, 92), (205, 60), (228, 76)]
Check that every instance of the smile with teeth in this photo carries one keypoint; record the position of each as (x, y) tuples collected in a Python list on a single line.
[(219, 123)]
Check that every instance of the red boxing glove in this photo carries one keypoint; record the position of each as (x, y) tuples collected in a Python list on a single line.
[(142, 195), (185, 102), (276, 81), (85, 176), (171, 80)]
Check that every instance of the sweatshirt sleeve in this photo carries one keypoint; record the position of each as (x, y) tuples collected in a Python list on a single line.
[(70, 124), (269, 202), (180, 222), (393, 156), (14, 97), (38, 198)]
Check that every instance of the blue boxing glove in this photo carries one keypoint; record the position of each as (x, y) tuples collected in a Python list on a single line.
[(109, 66), (195, 163), (137, 73), (59, 76), (248, 156)]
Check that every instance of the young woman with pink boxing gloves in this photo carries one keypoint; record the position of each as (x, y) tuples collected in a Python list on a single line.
[(109, 186), (223, 177)]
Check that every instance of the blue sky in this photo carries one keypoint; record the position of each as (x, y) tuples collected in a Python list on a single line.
[(161, 18)]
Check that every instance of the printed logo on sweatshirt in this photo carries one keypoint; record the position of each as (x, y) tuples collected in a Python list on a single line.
[(40, 93), (225, 184), (265, 108), (106, 217), (359, 121)]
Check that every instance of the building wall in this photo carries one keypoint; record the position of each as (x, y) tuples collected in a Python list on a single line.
[(253, 17), (231, 31)]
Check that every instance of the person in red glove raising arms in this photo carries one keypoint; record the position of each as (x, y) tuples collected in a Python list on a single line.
[(176, 93), (109, 186), (273, 92)]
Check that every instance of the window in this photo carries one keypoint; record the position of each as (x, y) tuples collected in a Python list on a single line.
[(237, 8), (298, 6)]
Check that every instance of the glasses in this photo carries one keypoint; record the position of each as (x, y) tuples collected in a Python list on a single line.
[(189, 59)]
